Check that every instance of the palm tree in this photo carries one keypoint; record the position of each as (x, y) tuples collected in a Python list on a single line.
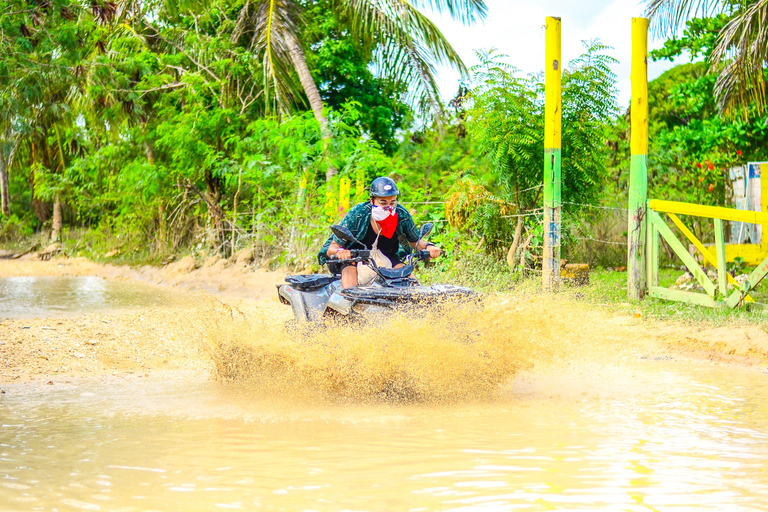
[(741, 51), (31, 74), (405, 43)]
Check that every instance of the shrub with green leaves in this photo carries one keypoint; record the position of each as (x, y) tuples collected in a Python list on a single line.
[(506, 119)]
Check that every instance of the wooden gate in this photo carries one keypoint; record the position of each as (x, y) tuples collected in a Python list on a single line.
[(715, 295)]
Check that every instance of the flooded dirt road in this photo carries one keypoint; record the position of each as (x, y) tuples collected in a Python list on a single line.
[(206, 403), (653, 435), (53, 296)]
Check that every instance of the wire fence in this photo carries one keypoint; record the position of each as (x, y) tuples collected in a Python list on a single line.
[(614, 208), (529, 213), (599, 239)]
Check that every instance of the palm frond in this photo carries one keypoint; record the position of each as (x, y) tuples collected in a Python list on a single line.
[(377, 21), (407, 45), (407, 63), (273, 29), (465, 11), (667, 16), (740, 55)]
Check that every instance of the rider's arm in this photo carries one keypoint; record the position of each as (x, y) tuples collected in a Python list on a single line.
[(422, 244), (336, 250)]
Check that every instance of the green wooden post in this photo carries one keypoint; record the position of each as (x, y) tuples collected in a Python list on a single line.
[(552, 124), (654, 277), (638, 172), (722, 281), (652, 255)]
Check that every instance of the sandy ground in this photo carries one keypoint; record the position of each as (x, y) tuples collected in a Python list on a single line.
[(130, 342), (170, 338)]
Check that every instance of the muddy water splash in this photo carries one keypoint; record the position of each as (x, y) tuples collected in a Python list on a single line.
[(454, 353)]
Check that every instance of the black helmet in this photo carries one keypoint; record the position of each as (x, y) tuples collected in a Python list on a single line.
[(383, 187)]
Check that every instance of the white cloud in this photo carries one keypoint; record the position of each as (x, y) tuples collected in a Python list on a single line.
[(516, 28)]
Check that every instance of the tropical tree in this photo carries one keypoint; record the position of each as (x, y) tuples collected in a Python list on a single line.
[(405, 44), (342, 69), (507, 122), (40, 44), (740, 51)]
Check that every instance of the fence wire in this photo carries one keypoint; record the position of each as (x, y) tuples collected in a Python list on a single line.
[(615, 208), (529, 213), (596, 240)]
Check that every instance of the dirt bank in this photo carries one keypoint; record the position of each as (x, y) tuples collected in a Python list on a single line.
[(172, 337)]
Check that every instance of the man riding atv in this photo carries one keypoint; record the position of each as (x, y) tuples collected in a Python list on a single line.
[(384, 227)]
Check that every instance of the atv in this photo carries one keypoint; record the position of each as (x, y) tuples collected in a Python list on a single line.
[(315, 297)]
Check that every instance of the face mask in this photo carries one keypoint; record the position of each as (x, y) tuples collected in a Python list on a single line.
[(386, 218), (380, 213)]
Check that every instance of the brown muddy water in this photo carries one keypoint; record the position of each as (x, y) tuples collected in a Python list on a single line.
[(46, 296), (493, 409), (647, 435)]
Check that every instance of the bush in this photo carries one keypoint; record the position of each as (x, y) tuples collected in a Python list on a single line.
[(13, 229)]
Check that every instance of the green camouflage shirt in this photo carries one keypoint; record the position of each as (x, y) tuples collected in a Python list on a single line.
[(357, 221)]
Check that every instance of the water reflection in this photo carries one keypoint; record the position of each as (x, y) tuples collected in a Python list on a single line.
[(652, 436), (28, 297)]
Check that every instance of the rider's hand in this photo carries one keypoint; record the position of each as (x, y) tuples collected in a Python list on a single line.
[(433, 251), (343, 254)]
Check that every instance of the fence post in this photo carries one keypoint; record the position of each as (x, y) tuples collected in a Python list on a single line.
[(722, 270), (344, 185), (552, 121), (638, 170), (331, 204)]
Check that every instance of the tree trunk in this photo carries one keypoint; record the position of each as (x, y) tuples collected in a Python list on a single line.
[(313, 95), (518, 229), (40, 207), (5, 201), (215, 212), (515, 242), (5, 170), (160, 239), (149, 148), (57, 221)]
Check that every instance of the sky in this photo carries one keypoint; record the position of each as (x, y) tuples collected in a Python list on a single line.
[(516, 28)]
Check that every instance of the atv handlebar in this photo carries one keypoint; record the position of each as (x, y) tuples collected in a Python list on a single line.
[(361, 255), (358, 255), (421, 255)]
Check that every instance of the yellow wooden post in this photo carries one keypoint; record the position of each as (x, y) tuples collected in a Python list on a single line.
[(331, 206), (711, 212), (360, 185), (552, 126), (302, 187), (344, 185), (764, 207), (638, 171)]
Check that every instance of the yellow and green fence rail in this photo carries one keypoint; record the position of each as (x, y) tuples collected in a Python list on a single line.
[(715, 295)]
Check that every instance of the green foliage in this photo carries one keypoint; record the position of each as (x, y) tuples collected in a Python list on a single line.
[(13, 229), (464, 265), (173, 130), (737, 266), (699, 39), (507, 121), (341, 67)]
